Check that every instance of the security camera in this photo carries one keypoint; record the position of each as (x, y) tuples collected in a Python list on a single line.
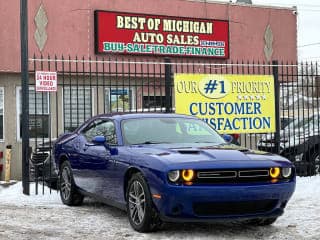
[(294, 10)]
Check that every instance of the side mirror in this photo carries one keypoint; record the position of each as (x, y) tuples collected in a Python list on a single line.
[(102, 140), (228, 138), (99, 139)]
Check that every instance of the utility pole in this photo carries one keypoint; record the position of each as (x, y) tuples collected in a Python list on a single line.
[(25, 95)]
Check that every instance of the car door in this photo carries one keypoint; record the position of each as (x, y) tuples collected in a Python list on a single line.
[(94, 159), (112, 186), (101, 172)]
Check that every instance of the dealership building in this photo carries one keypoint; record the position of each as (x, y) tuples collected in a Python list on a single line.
[(134, 31)]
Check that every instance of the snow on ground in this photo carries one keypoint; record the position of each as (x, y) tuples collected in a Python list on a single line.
[(45, 217)]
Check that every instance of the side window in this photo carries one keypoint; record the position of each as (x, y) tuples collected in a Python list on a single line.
[(101, 127), (89, 132)]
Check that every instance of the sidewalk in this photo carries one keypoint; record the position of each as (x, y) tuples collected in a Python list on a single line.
[(7, 184)]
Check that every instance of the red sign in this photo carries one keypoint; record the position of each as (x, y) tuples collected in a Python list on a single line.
[(46, 81), (132, 33)]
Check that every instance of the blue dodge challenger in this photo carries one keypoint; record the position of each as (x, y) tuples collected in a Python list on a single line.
[(170, 168)]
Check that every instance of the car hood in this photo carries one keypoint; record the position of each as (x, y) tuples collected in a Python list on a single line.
[(207, 156)]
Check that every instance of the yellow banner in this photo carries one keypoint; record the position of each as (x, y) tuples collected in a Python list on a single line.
[(229, 103)]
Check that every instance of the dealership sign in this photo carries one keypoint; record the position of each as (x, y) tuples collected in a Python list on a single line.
[(229, 103), (46, 81), (131, 33)]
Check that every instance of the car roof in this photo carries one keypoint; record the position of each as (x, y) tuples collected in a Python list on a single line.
[(122, 116)]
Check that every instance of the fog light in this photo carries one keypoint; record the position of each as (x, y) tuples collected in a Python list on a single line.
[(286, 172), (187, 175), (174, 175), (274, 172)]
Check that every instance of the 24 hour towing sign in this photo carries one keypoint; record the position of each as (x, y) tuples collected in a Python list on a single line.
[(131, 33), (229, 103), (46, 81)]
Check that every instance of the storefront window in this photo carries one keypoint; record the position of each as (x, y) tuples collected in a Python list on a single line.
[(118, 100), (153, 102), (77, 106), (38, 114)]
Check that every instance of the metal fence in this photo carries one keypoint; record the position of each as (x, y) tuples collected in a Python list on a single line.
[(88, 87)]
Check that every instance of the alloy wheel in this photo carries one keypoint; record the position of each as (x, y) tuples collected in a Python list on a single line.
[(317, 164), (137, 202), (65, 186)]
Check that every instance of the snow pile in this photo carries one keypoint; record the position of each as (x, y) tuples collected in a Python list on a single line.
[(12, 194)]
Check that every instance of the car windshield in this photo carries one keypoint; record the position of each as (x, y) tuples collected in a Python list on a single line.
[(168, 130), (305, 123), (297, 123)]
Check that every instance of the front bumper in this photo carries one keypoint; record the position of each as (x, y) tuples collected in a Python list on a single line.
[(221, 202)]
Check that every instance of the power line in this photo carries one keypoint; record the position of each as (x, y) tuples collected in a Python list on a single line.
[(310, 59), (307, 10), (309, 44), (288, 4), (300, 6)]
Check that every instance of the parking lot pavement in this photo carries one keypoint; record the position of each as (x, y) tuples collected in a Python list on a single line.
[(45, 217)]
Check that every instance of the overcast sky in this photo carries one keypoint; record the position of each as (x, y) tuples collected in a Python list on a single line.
[(308, 25)]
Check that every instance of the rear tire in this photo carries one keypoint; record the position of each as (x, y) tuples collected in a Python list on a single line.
[(68, 190), (143, 216)]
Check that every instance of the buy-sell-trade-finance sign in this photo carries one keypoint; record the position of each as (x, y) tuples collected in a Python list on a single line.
[(131, 33), (229, 103)]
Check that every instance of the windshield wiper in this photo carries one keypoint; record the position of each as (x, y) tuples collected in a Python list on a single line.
[(149, 142)]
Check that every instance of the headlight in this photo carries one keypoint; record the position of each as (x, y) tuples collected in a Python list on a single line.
[(286, 172), (174, 175), (187, 175), (274, 172)]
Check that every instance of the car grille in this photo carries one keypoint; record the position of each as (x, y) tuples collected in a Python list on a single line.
[(233, 208), (232, 176), (39, 157), (217, 174)]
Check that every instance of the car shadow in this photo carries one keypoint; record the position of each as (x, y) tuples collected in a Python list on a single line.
[(186, 230)]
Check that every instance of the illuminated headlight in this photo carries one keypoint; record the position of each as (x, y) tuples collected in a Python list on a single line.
[(274, 172), (174, 175), (286, 172), (187, 175)]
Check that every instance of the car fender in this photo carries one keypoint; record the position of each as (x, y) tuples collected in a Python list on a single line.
[(58, 159), (313, 141), (310, 143), (154, 178)]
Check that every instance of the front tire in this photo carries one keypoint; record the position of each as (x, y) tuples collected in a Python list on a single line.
[(142, 214), (315, 162), (68, 190)]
